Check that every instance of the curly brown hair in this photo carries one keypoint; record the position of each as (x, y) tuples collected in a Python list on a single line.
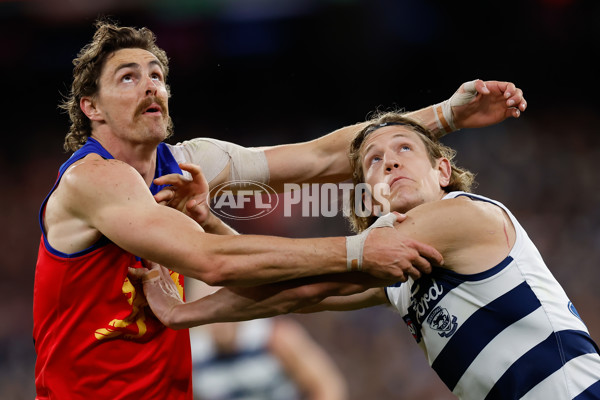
[(460, 179), (108, 38)]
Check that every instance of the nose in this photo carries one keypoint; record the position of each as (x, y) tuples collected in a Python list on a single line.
[(391, 162), (151, 87)]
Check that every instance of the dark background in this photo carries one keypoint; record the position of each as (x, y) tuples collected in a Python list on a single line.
[(264, 72)]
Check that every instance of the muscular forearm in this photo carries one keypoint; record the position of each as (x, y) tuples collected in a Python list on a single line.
[(237, 304), (250, 260), (325, 159), (426, 117)]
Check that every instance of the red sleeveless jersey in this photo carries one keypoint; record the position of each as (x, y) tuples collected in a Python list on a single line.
[(95, 337)]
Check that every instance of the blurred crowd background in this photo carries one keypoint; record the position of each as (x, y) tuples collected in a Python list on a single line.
[(264, 72)]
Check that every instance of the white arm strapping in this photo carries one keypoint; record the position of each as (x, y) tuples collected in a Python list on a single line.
[(356, 244), (443, 111), (214, 155)]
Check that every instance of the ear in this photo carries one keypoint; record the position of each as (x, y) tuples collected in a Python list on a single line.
[(88, 106), (445, 171)]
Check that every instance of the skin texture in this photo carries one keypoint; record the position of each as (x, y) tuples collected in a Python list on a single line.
[(472, 236), (98, 197)]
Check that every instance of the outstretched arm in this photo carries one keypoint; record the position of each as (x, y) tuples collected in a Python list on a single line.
[(475, 104), (230, 304), (112, 197)]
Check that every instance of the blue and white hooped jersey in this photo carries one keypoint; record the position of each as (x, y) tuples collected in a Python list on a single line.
[(506, 333)]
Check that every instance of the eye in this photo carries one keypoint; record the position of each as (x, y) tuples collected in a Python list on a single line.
[(127, 78), (156, 77), (405, 148), (373, 160)]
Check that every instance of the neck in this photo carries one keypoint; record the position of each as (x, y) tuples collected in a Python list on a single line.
[(141, 156)]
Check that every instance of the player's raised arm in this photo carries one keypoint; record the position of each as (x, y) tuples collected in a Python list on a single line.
[(475, 104)]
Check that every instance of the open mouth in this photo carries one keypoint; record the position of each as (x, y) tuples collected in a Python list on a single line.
[(152, 110)]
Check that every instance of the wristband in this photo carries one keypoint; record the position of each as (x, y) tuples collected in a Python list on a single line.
[(355, 244)]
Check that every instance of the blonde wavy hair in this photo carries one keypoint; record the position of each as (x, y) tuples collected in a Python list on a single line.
[(460, 179), (108, 38)]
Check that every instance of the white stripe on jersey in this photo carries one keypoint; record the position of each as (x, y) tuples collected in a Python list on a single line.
[(484, 333), (469, 297), (578, 374), (482, 370)]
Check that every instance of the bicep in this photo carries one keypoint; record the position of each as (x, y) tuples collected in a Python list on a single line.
[(320, 160), (471, 235), (114, 199), (303, 163)]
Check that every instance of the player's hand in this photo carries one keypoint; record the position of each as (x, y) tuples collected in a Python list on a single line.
[(161, 292), (392, 256), (480, 103), (189, 196)]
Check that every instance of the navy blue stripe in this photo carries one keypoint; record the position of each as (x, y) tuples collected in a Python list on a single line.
[(477, 197), (591, 393), (165, 164), (540, 362), (103, 241), (483, 326), (480, 275), (91, 146)]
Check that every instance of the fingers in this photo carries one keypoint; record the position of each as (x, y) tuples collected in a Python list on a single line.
[(513, 95), (477, 85), (415, 268), (163, 270), (176, 180), (193, 169), (165, 196), (151, 265), (516, 100), (512, 113), (143, 274), (136, 273), (196, 210), (399, 217), (428, 252)]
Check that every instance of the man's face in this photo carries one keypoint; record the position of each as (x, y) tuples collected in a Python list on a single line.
[(132, 101), (396, 157)]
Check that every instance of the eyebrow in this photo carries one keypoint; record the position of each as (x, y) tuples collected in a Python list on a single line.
[(137, 66), (370, 146)]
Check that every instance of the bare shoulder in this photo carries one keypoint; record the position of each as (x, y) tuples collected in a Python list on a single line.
[(471, 235), (86, 190), (93, 170), (93, 177), (461, 213)]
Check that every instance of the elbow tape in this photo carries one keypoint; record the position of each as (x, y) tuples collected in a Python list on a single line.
[(213, 156)]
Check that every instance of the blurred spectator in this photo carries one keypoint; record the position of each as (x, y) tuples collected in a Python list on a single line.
[(263, 359)]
